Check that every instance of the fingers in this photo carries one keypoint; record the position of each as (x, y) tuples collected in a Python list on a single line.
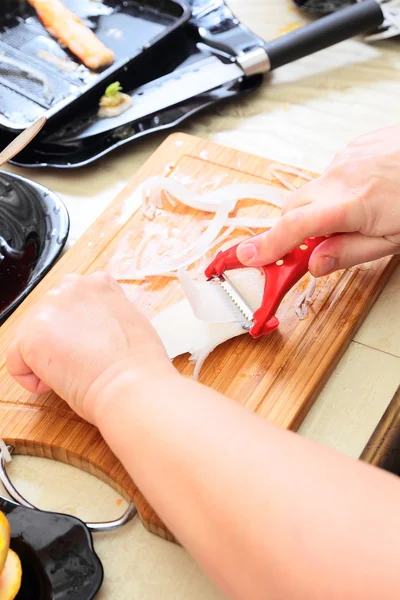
[(302, 197), (22, 373), (348, 250), (42, 340), (294, 227)]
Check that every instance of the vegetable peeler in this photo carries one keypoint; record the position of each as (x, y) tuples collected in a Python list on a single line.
[(280, 277)]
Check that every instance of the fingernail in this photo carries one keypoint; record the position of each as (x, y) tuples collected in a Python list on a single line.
[(246, 252), (326, 265)]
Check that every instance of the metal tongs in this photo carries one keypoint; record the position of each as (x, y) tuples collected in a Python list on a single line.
[(280, 277), (391, 24)]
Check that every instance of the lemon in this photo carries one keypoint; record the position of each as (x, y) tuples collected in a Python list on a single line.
[(4, 540), (10, 579)]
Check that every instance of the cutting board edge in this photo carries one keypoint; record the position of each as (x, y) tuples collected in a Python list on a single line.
[(389, 269), (123, 484)]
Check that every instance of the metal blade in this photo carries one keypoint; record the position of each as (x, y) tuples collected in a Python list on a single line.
[(201, 77), (241, 310), (176, 87)]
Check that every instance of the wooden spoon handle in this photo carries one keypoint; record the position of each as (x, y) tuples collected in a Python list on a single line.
[(21, 141)]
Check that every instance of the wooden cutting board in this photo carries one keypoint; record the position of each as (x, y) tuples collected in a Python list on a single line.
[(277, 376)]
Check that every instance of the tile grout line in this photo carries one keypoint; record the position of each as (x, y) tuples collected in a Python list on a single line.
[(377, 349)]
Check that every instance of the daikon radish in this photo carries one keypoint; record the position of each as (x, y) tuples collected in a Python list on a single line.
[(154, 191), (205, 318)]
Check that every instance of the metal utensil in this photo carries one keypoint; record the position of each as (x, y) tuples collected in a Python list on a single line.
[(93, 527), (280, 277), (361, 18), (21, 141), (222, 68)]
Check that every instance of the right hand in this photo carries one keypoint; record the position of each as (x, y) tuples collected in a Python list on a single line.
[(79, 337), (358, 197)]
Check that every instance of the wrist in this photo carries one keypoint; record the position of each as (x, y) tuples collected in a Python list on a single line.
[(122, 383)]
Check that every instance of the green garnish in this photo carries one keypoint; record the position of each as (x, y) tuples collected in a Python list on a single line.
[(113, 89)]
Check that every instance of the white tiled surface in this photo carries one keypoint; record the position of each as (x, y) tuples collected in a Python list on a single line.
[(303, 115), (354, 399), (381, 327)]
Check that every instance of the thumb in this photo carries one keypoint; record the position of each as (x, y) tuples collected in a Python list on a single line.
[(348, 250)]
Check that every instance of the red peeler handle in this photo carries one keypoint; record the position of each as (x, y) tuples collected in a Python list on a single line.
[(280, 277)]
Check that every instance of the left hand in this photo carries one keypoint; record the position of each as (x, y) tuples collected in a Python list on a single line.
[(80, 337)]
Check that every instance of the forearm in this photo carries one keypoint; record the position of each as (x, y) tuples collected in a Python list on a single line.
[(266, 513)]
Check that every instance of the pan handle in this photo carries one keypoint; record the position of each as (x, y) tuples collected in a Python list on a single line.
[(327, 31), (93, 527)]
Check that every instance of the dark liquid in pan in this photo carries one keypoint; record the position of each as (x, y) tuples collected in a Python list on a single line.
[(15, 270), (33, 229)]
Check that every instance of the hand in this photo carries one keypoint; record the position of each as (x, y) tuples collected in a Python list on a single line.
[(357, 196), (82, 335)]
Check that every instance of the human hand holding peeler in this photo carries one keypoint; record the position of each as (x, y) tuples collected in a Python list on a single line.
[(280, 277)]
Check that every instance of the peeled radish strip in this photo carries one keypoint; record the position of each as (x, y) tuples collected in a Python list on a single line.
[(186, 257), (153, 191), (206, 300), (311, 289), (199, 362), (5, 454), (228, 232), (211, 201), (151, 194), (217, 242), (276, 170), (305, 300), (182, 332), (205, 318), (201, 322)]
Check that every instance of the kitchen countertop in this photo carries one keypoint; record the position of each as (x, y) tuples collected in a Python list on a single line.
[(302, 116)]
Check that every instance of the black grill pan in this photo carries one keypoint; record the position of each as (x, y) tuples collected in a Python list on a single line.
[(128, 27)]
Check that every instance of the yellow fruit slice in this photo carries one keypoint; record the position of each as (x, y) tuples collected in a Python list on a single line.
[(10, 579), (4, 540)]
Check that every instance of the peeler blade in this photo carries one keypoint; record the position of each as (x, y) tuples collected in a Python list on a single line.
[(241, 310)]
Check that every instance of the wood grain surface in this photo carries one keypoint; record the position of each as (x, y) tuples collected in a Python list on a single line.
[(277, 376)]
